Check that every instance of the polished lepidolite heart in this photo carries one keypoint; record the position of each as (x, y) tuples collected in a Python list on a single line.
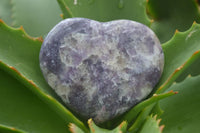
[(100, 70)]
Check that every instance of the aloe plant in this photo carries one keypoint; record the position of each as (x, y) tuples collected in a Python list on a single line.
[(28, 104)]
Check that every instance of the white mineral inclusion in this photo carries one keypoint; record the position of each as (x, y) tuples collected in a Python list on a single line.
[(100, 70)]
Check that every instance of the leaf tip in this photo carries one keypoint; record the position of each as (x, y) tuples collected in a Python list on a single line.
[(161, 128), (21, 28), (62, 16), (123, 124), (189, 76), (194, 22), (158, 123), (176, 31), (197, 52), (71, 127), (151, 21), (155, 95), (40, 39), (1, 21), (90, 122), (173, 92)]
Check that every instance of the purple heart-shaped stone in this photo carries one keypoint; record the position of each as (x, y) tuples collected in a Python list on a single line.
[(100, 70)]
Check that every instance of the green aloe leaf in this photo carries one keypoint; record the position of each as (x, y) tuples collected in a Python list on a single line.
[(179, 71), (170, 15), (19, 56), (21, 52), (21, 109), (174, 50), (193, 70), (157, 110), (74, 129), (137, 124), (36, 16), (182, 112), (106, 10), (133, 113), (155, 98), (152, 125)]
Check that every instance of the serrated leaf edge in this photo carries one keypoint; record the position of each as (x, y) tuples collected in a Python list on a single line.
[(161, 127), (22, 31), (195, 2), (72, 128), (121, 128), (178, 72), (140, 119), (65, 9), (129, 117), (169, 81), (178, 33)]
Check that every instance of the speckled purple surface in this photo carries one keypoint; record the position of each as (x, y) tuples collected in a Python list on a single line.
[(100, 70)]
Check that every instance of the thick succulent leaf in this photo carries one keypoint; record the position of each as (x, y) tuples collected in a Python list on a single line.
[(179, 71), (179, 49), (170, 15), (152, 125), (131, 115), (137, 124), (143, 115), (6, 11), (106, 10), (74, 129), (19, 57), (36, 16), (182, 112), (6, 129), (23, 110), (21, 52), (193, 70)]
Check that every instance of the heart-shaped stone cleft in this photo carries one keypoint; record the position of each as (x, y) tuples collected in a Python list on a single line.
[(100, 70)]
